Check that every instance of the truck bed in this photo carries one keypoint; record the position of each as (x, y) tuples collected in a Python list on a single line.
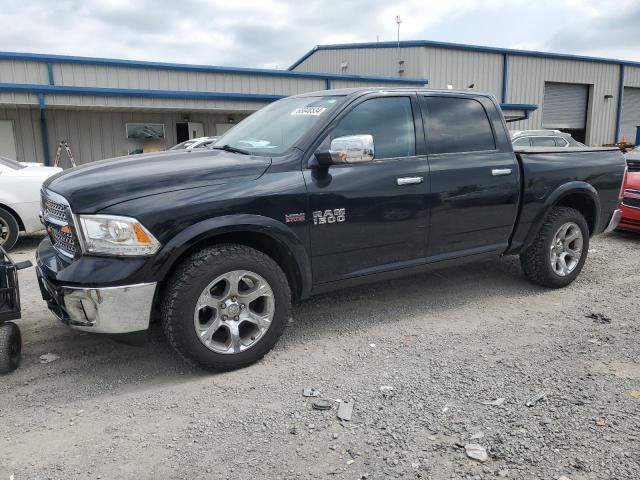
[(544, 170)]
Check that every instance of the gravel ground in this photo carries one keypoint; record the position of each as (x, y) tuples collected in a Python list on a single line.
[(447, 342)]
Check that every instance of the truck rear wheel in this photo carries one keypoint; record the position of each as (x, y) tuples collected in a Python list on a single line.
[(225, 307), (559, 251), (9, 230)]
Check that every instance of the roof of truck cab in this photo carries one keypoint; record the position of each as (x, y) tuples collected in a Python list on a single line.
[(364, 90)]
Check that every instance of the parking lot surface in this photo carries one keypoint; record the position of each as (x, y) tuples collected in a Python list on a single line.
[(465, 350)]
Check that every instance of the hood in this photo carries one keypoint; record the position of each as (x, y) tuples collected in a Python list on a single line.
[(94, 186), (36, 171)]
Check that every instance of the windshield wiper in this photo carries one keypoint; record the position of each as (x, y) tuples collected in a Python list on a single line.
[(229, 148)]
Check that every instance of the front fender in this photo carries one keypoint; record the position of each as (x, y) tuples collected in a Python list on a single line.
[(208, 230)]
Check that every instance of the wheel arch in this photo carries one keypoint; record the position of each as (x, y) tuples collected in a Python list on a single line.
[(581, 196), (262, 233), (15, 215)]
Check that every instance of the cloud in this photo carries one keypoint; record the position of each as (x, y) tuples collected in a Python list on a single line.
[(274, 33), (609, 32)]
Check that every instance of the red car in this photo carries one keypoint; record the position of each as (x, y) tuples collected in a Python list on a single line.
[(631, 195)]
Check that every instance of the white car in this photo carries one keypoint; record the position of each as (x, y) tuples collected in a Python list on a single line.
[(20, 185), (195, 143)]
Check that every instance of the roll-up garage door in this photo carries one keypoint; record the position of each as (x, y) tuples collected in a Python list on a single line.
[(630, 113), (565, 106)]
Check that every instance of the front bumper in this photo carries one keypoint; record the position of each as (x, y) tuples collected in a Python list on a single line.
[(111, 310)]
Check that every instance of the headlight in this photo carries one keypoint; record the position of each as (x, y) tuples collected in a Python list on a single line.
[(115, 235)]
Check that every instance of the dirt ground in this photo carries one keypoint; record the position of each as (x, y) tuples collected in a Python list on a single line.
[(464, 349)]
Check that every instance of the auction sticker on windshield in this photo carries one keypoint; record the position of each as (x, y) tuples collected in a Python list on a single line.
[(313, 111)]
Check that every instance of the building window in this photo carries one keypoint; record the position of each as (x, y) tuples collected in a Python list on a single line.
[(145, 137)]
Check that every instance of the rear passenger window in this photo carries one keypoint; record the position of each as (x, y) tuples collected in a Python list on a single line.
[(389, 120), (457, 125), (543, 142)]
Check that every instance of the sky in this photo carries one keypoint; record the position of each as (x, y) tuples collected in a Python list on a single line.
[(275, 33)]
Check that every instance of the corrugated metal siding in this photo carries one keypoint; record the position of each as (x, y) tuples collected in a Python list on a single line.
[(26, 127), (94, 102), (632, 77), (367, 61), (98, 135), (527, 76), (156, 79), (460, 68), (94, 135), (351, 84), (630, 120), (14, 71)]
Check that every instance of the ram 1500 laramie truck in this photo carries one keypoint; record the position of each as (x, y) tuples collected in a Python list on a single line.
[(312, 193)]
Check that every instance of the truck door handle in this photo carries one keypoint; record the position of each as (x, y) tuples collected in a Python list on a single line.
[(500, 171), (409, 180)]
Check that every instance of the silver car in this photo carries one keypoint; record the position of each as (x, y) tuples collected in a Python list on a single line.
[(543, 138), (195, 143)]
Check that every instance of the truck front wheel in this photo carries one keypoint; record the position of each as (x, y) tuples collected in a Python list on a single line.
[(9, 229), (557, 255), (225, 307)]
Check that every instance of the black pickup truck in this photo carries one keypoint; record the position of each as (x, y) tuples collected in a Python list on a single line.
[(310, 194)]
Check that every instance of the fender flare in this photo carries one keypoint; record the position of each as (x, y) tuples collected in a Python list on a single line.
[(287, 240), (555, 197)]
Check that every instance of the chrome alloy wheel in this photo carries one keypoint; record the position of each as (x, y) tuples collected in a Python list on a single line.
[(566, 249), (234, 312), (4, 231)]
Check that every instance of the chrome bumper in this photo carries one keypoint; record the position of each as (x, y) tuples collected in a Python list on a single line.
[(109, 310), (614, 222)]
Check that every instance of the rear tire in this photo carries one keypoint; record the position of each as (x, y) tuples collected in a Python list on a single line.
[(557, 255), (9, 230), (10, 347), (225, 307)]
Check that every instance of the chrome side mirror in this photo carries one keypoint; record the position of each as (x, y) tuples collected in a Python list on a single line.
[(347, 149)]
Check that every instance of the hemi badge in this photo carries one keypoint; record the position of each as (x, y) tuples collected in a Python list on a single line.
[(294, 217)]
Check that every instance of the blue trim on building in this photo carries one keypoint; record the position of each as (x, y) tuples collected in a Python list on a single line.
[(527, 107), (619, 104), (44, 131), (505, 77), (461, 46), (41, 90), (53, 59), (130, 92), (50, 73)]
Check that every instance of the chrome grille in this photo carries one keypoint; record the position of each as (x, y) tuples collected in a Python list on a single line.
[(54, 210), (631, 202), (634, 165), (63, 241), (56, 217)]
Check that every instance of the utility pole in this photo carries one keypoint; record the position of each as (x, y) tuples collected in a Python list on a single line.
[(398, 21)]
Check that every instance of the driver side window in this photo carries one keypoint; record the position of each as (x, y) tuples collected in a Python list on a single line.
[(389, 120)]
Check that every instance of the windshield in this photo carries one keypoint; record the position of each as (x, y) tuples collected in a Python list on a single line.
[(12, 164), (277, 127)]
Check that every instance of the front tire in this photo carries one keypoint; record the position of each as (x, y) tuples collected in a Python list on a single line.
[(9, 230), (225, 307), (10, 347), (557, 255)]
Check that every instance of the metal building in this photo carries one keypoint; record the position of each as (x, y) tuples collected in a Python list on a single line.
[(106, 108), (597, 100)]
